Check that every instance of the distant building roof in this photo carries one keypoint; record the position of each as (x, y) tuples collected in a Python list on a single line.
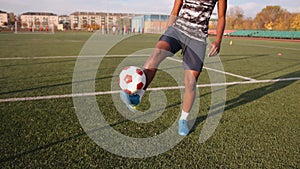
[(103, 13), (63, 15), (39, 13), (87, 13)]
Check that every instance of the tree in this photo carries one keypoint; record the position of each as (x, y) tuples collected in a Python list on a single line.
[(247, 23), (284, 20), (19, 21), (235, 18), (11, 19), (272, 17), (295, 22)]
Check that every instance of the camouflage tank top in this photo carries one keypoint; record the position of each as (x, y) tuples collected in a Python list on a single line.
[(193, 19)]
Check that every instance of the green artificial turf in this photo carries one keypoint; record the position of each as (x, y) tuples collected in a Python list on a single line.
[(259, 127)]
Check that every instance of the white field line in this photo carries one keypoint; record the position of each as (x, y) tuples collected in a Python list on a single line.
[(38, 57), (219, 71), (150, 89), (274, 47), (68, 57)]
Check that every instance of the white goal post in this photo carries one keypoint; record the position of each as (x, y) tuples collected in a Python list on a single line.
[(34, 29)]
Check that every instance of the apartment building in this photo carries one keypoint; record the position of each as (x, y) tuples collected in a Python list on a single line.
[(64, 22), (39, 20), (155, 23), (100, 20), (152, 23), (64, 19), (3, 19)]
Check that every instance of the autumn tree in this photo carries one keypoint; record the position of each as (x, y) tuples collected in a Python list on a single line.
[(247, 23), (284, 21), (235, 18), (295, 22), (272, 17)]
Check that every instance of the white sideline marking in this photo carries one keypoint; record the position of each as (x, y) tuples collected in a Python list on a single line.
[(150, 89), (231, 74), (38, 57), (276, 47), (68, 57), (219, 71)]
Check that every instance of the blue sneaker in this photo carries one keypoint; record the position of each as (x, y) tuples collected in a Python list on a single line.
[(183, 129), (131, 101)]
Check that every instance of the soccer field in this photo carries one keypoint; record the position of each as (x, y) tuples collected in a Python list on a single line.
[(39, 126)]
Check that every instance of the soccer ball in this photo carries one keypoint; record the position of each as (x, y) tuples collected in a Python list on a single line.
[(132, 79)]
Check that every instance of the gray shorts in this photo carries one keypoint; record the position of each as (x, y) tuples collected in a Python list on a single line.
[(193, 50)]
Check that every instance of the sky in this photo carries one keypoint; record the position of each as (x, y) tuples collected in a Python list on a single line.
[(61, 7)]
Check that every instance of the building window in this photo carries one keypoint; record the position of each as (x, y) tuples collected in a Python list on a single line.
[(93, 20), (76, 19), (102, 20)]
